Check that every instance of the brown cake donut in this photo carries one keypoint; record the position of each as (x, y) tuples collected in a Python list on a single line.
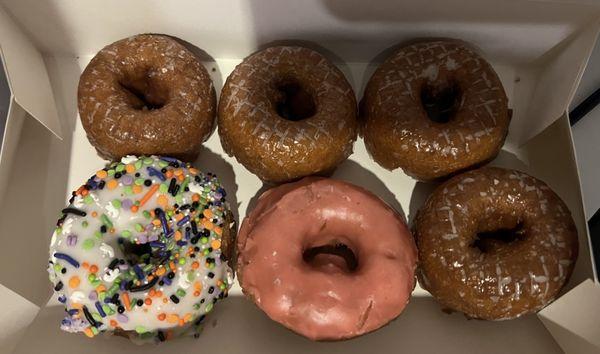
[(287, 112), (145, 95), (434, 108), (495, 244)]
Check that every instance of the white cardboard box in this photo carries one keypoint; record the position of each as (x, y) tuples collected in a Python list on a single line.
[(539, 49)]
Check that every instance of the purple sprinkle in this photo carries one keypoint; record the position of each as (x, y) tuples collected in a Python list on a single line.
[(163, 220), (218, 196), (166, 280), (73, 312), (152, 238), (153, 172), (67, 258), (71, 240), (100, 309), (183, 221), (187, 234), (127, 180), (126, 203), (169, 159), (123, 267), (149, 227), (157, 244), (93, 295), (122, 318), (122, 285), (62, 299), (181, 243), (142, 238), (138, 272)]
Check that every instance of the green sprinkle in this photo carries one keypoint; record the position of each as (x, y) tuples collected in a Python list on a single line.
[(107, 309), (106, 221), (148, 161), (94, 330), (181, 261), (180, 292), (84, 223), (196, 306), (88, 244), (139, 181), (126, 233), (110, 172), (91, 277), (96, 282), (208, 307), (88, 199), (179, 199), (113, 288), (184, 184), (101, 297), (141, 329), (164, 188), (116, 203), (128, 190), (205, 252), (146, 214), (58, 230), (120, 167), (204, 240), (222, 286), (138, 164), (139, 227), (97, 316), (98, 235), (57, 268), (191, 276)]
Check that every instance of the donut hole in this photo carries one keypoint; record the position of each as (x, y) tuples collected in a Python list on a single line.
[(144, 93), (489, 241), (294, 102), (135, 253), (336, 255), (441, 100)]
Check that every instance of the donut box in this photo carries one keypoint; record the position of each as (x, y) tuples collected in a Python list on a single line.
[(539, 50)]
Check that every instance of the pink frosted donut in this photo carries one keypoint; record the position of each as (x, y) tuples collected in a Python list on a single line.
[(327, 259)]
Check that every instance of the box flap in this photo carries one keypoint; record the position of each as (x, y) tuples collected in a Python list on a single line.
[(571, 319), (27, 74), (17, 314)]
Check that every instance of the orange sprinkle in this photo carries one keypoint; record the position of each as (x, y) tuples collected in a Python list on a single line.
[(101, 174), (88, 332), (112, 184), (162, 200), (84, 192), (208, 213), (85, 265), (93, 268), (148, 301), (181, 322), (160, 271), (126, 302), (178, 172), (207, 224), (130, 168), (156, 222), (198, 285), (218, 230), (172, 265), (149, 194), (161, 316), (76, 305), (136, 189), (196, 293), (165, 300), (195, 197), (178, 217), (134, 208), (111, 230), (113, 323), (94, 214), (152, 292), (159, 293), (193, 171), (74, 282), (215, 244), (172, 318), (101, 288), (219, 282), (169, 174), (195, 265), (187, 317), (181, 178), (178, 235)]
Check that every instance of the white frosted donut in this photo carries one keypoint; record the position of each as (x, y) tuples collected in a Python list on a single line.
[(142, 250)]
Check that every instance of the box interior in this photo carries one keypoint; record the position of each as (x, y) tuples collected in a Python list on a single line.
[(539, 50)]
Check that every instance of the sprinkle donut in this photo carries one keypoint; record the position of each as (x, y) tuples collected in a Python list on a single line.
[(286, 113), (142, 250), (495, 244), (146, 95), (434, 109), (326, 259)]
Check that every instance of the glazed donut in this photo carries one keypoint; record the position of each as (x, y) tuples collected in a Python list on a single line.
[(286, 113), (145, 95), (434, 109), (495, 244), (142, 250), (326, 259)]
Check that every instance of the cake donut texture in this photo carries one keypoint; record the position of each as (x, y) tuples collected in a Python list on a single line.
[(327, 259), (434, 109), (143, 250), (286, 113), (146, 95), (495, 244)]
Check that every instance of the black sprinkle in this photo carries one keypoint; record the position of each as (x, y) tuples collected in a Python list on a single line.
[(120, 309), (137, 174), (74, 211), (115, 299), (176, 190), (211, 275), (147, 183), (101, 184), (194, 240), (161, 283), (113, 264), (58, 286), (172, 184), (214, 300), (194, 227), (201, 301), (89, 317), (163, 170), (174, 298), (161, 335), (171, 275), (118, 175), (211, 290), (63, 271), (140, 302), (103, 229)]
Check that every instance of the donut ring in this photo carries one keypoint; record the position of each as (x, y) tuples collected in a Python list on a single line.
[(142, 250), (286, 113), (434, 109), (291, 253), (495, 244), (146, 95)]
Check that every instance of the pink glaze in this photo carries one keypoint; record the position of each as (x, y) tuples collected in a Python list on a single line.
[(323, 300)]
